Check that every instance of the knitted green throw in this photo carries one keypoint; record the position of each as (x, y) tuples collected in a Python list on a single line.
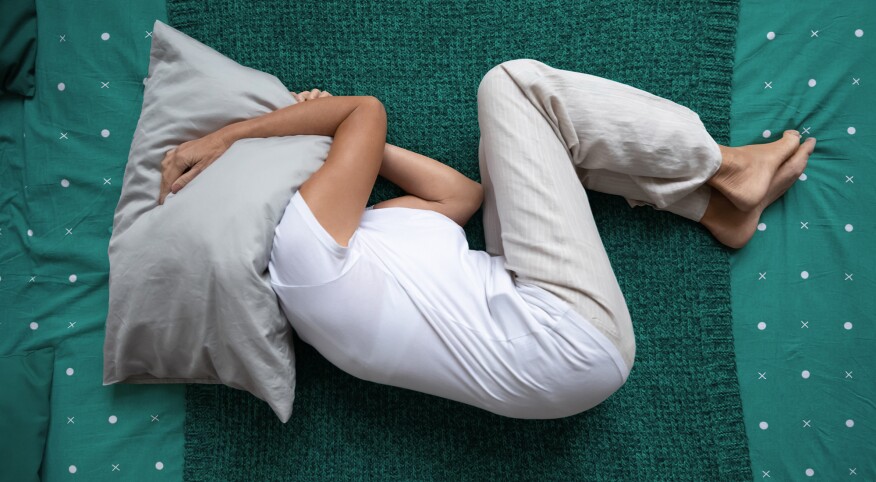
[(679, 417)]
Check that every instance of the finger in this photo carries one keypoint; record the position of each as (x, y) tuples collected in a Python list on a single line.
[(183, 180), (295, 96), (167, 175), (164, 189), (314, 93), (167, 181), (324, 94)]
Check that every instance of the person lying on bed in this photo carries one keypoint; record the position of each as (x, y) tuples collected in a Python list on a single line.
[(536, 326)]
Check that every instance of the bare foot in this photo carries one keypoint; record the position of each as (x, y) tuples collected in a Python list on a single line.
[(734, 227), (746, 171)]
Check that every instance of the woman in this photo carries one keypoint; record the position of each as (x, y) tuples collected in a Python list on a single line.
[(536, 326)]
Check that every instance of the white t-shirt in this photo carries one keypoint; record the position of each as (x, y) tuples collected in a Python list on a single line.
[(408, 304)]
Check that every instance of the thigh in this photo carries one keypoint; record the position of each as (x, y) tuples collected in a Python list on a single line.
[(625, 140), (548, 233)]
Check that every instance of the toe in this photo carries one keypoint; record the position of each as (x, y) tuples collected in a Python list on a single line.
[(788, 144), (791, 137), (789, 172), (797, 163)]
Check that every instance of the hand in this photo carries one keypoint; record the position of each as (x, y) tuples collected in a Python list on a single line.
[(182, 163), (310, 95)]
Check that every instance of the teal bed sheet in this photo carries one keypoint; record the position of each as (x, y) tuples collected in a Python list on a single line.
[(803, 289), (62, 155)]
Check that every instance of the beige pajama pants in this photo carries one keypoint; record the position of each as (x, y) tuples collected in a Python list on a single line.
[(546, 134)]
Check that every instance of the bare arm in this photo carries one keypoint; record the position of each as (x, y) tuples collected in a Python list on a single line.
[(337, 193), (436, 185), (345, 118), (416, 174), (321, 117), (429, 184)]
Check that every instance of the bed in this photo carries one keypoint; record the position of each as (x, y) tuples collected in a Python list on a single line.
[(802, 290)]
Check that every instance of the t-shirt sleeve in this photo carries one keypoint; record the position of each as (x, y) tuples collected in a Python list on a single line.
[(304, 253)]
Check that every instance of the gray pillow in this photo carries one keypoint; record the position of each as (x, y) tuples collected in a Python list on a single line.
[(190, 299)]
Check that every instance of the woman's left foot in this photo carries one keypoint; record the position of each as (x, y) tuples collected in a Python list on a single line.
[(734, 227), (746, 171)]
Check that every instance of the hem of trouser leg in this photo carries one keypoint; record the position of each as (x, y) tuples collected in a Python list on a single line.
[(720, 160), (687, 207), (693, 206), (718, 157), (702, 212)]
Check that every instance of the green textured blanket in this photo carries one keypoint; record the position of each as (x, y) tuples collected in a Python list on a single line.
[(679, 417)]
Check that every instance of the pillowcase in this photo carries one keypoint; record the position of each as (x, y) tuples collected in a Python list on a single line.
[(25, 412), (190, 299), (18, 46)]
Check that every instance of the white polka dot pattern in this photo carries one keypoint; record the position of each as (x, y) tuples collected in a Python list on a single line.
[(810, 277), (76, 134)]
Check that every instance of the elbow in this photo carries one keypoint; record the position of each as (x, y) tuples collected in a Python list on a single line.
[(471, 198), (373, 106), (477, 194)]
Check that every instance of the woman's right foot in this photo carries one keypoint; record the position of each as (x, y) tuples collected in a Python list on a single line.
[(746, 171), (734, 227)]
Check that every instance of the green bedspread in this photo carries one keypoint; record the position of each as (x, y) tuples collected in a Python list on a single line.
[(678, 417), (62, 157), (803, 290)]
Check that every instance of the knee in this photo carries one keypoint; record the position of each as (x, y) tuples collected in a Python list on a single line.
[(490, 86), (495, 82)]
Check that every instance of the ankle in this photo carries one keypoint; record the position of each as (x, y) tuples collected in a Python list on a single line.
[(727, 168)]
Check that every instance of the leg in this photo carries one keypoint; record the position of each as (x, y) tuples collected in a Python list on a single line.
[(622, 140), (749, 179), (548, 234), (654, 152)]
